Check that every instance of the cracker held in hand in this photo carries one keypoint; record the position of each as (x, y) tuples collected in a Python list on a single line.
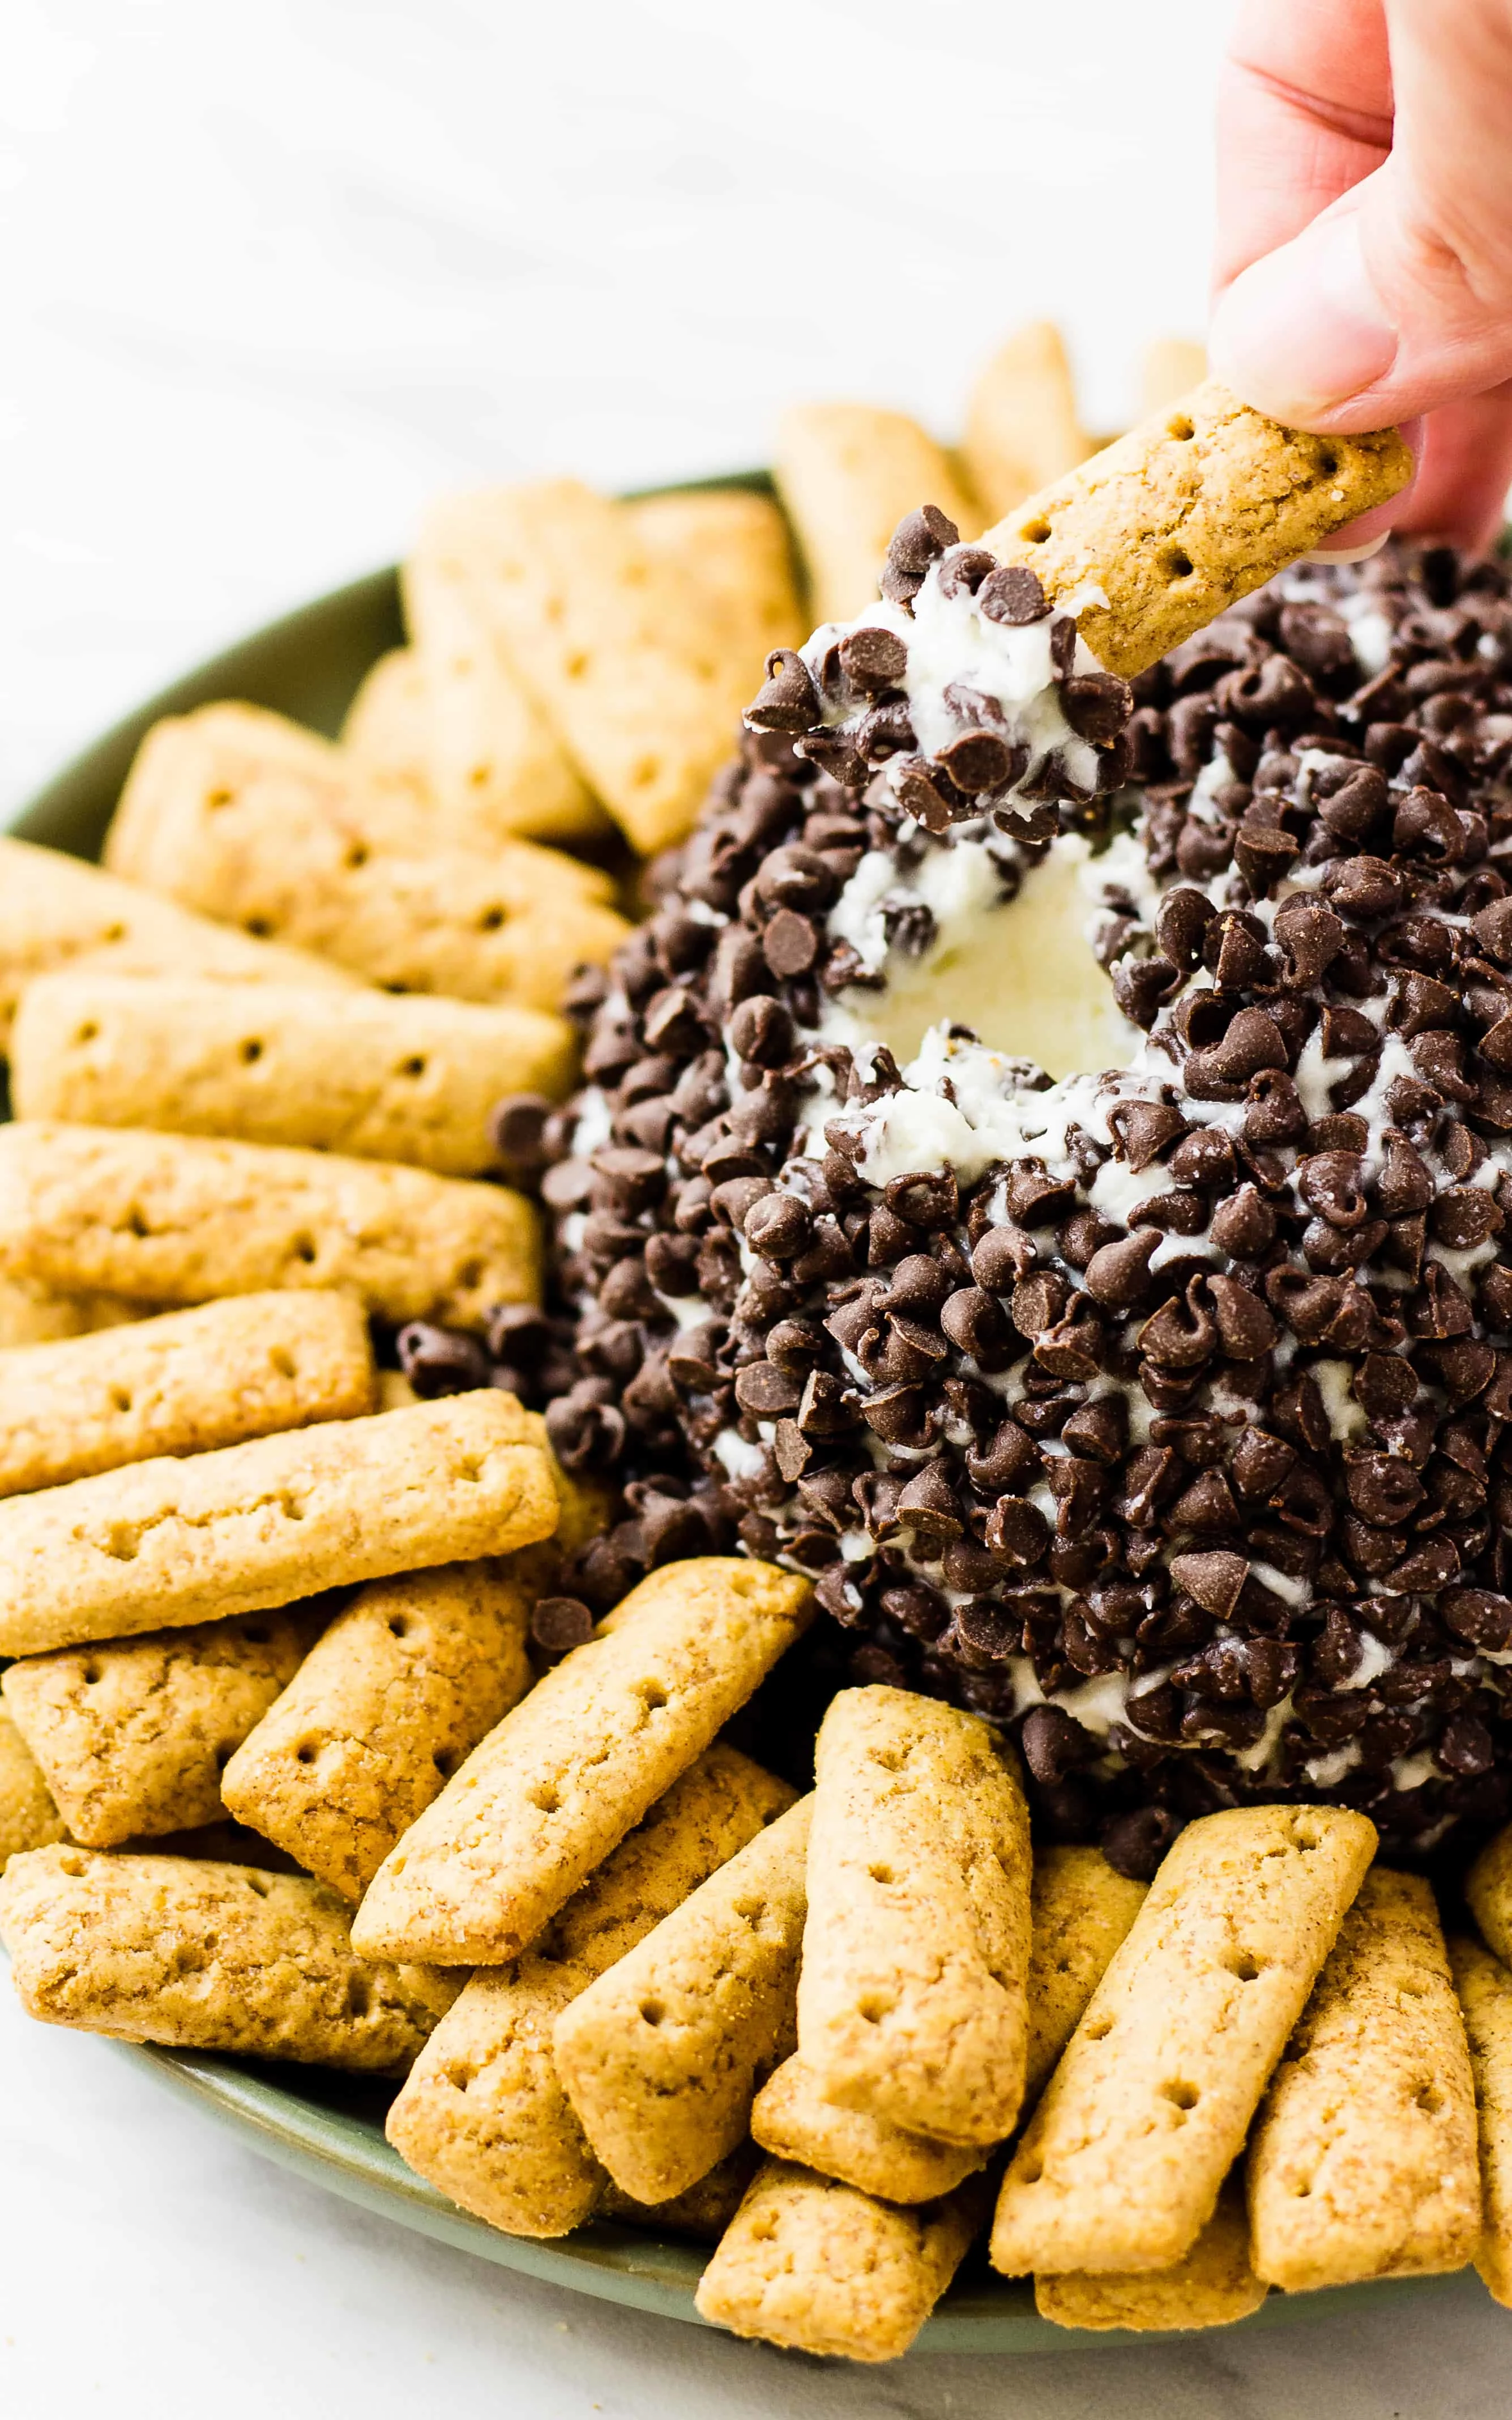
[(247, 818), (484, 2116), (817, 2266), (56, 911), (205, 1956), (171, 1541), (912, 2001), (1210, 2287), (176, 1218), (661, 2057), (563, 1778), (626, 655), (368, 1073), (1188, 513), (402, 1688), (183, 1384), (1485, 1989), (847, 473), (133, 1734), (1363, 2160), (1122, 2164)]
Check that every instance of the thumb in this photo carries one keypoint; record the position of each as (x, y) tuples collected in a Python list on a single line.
[(1398, 297)]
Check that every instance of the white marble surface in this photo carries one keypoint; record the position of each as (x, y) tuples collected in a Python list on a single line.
[(273, 273)]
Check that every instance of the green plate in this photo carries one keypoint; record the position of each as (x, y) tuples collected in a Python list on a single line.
[(327, 2128)]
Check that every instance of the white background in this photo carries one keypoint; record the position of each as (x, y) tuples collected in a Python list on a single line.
[(272, 274)]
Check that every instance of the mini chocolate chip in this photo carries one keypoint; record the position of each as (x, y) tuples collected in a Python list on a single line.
[(764, 1390), (1118, 1273), (761, 1031), (1013, 595), (1007, 1461), (1135, 1843), (778, 1226), (1478, 1616), (919, 537), (1244, 1225), (1216, 1580), (558, 1623), (1141, 985), (1017, 1530), (439, 1360), (1146, 1129), (516, 1129), (873, 659), (585, 1436), (797, 878), (788, 700), (790, 943), (1097, 706), (978, 761), (1054, 1744), (1204, 1157)]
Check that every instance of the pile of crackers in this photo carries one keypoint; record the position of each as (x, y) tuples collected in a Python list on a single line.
[(289, 1766)]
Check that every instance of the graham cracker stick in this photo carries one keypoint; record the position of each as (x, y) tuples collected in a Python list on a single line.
[(912, 1997), (1363, 2160), (815, 2265), (734, 546), (402, 1687), (1485, 1989), (791, 2118), (847, 473), (1489, 1894), (181, 1384), (483, 2114), (366, 1073), (56, 911), (703, 2213), (1210, 2286), (168, 1542), (624, 655), (208, 1957), (132, 1735), (387, 729), (1171, 367), (33, 1314), (176, 1218), (660, 2056), (496, 769), (1080, 1911), (288, 841), (29, 1817), (1023, 427), (561, 1780), (1189, 512), (1120, 2165)]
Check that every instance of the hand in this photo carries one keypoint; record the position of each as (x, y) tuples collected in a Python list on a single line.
[(1364, 263)]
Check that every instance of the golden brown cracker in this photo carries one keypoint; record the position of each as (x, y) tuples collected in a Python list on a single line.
[(33, 1314), (791, 2118), (401, 1688), (819, 2267), (183, 1383), (702, 2213), (1363, 2160), (1485, 1990), (733, 545), (483, 2114), (1489, 1894), (177, 1219), (551, 1790), (1189, 512), (248, 819), (387, 725), (163, 1543), (660, 2057), (847, 473), (369, 1074), (1023, 428), (1210, 2286), (29, 1817), (132, 1735), (912, 2000), (1120, 2165), (205, 1956), (1080, 1910)]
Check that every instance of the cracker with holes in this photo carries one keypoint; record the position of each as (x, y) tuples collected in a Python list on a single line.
[(912, 2000), (181, 1384), (551, 1790), (366, 1073), (1212, 2286), (1485, 1989), (816, 2265), (1363, 2160), (791, 2118), (400, 1689), (661, 2057), (1022, 428), (247, 818), (734, 546), (168, 1542), (626, 656), (206, 1955), (56, 911), (484, 2114), (847, 473), (1193, 509), (181, 1218), (29, 1817), (132, 1735), (1122, 2162)]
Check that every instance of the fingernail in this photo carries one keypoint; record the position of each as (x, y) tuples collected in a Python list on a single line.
[(1303, 329)]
